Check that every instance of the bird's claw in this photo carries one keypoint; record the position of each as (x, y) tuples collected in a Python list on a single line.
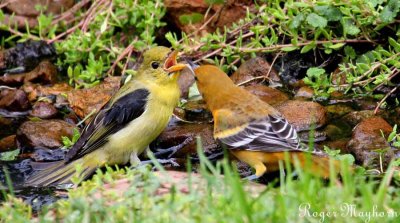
[(172, 150), (161, 161), (252, 177), (169, 161)]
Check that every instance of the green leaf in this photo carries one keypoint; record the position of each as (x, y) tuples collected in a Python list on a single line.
[(10, 155), (390, 11), (331, 13), (289, 48), (297, 20), (191, 18), (308, 47), (337, 46), (316, 21), (350, 52), (103, 26), (392, 134), (315, 71), (349, 27), (394, 44)]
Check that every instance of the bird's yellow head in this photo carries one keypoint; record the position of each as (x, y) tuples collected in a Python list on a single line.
[(160, 65)]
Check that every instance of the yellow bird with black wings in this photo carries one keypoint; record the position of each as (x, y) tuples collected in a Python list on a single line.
[(254, 131), (125, 126)]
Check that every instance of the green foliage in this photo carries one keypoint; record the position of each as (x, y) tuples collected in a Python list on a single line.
[(9, 155), (319, 81), (68, 143), (94, 43), (394, 137), (292, 25), (390, 11), (191, 18), (88, 54)]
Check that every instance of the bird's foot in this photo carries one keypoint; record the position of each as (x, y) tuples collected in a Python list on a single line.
[(252, 177), (161, 161), (172, 150)]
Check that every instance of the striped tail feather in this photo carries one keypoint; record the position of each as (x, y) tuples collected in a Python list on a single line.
[(59, 172)]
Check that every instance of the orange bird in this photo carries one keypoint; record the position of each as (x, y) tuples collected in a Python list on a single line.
[(254, 131)]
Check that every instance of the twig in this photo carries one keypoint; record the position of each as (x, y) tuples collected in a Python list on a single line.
[(320, 42), (222, 46), (383, 99), (121, 56), (127, 61), (91, 13), (70, 30), (70, 12), (6, 3), (200, 29)]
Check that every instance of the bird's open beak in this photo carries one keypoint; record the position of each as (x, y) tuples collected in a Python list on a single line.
[(171, 65)]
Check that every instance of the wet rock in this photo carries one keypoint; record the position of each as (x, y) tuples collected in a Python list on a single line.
[(339, 144), (44, 110), (12, 79), (44, 73), (338, 110), (8, 126), (304, 92), (195, 111), (293, 66), (252, 70), (270, 95), (34, 91), (338, 77), (187, 15), (2, 60), (186, 79), (366, 104), (333, 132), (186, 133), (43, 133), (367, 139), (355, 117), (26, 56), (45, 155), (83, 102), (14, 100), (28, 7), (7, 143), (303, 115)]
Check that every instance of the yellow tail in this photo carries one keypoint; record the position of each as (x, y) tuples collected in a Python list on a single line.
[(60, 172)]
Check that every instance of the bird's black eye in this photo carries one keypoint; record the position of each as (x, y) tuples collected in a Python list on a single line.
[(155, 65), (195, 78)]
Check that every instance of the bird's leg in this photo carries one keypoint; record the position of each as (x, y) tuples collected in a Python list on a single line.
[(134, 160), (161, 161), (260, 170), (172, 150)]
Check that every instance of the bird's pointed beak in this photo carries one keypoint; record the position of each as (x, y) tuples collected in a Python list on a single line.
[(171, 65)]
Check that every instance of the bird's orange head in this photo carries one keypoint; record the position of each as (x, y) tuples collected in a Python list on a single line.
[(213, 84), (210, 79)]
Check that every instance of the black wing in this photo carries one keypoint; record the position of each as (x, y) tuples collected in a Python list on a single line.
[(271, 134), (108, 121)]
